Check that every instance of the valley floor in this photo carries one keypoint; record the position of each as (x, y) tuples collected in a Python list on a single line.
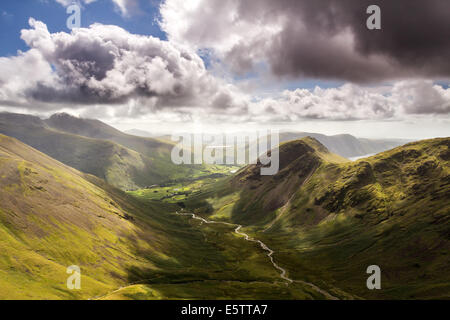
[(282, 288)]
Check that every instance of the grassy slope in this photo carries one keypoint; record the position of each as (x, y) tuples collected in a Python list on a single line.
[(249, 198), (157, 150), (122, 167), (53, 216), (145, 162), (329, 220), (391, 210)]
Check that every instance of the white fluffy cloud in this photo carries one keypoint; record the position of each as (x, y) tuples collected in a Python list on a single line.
[(21, 73), (217, 25), (422, 97), (353, 102), (106, 65)]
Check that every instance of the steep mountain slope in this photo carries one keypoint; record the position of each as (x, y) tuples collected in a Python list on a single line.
[(391, 210), (329, 220), (346, 145), (96, 129), (264, 194), (53, 216), (158, 150), (123, 167), (253, 197)]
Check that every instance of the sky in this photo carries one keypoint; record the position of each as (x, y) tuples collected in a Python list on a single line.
[(231, 65)]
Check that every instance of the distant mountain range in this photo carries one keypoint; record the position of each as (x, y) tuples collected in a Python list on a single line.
[(141, 133), (131, 162), (347, 145), (91, 146)]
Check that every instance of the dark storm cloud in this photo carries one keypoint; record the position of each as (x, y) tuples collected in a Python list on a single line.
[(415, 37), (321, 39)]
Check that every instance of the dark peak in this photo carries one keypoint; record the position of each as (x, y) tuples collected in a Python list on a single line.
[(299, 147), (69, 117), (21, 119), (316, 144), (294, 155), (293, 149), (85, 127), (66, 117), (60, 120), (63, 115)]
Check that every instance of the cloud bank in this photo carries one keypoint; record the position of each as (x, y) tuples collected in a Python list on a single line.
[(325, 39), (354, 102), (104, 71)]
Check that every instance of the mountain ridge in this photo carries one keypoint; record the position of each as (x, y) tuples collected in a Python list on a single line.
[(346, 145), (93, 147), (330, 220)]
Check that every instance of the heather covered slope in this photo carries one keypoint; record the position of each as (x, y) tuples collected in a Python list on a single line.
[(329, 220)]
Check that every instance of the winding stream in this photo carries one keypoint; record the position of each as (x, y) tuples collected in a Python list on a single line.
[(270, 253), (265, 248)]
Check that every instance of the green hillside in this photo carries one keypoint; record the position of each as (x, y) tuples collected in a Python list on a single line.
[(329, 220), (96, 129), (158, 150), (97, 150), (325, 218), (53, 216)]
